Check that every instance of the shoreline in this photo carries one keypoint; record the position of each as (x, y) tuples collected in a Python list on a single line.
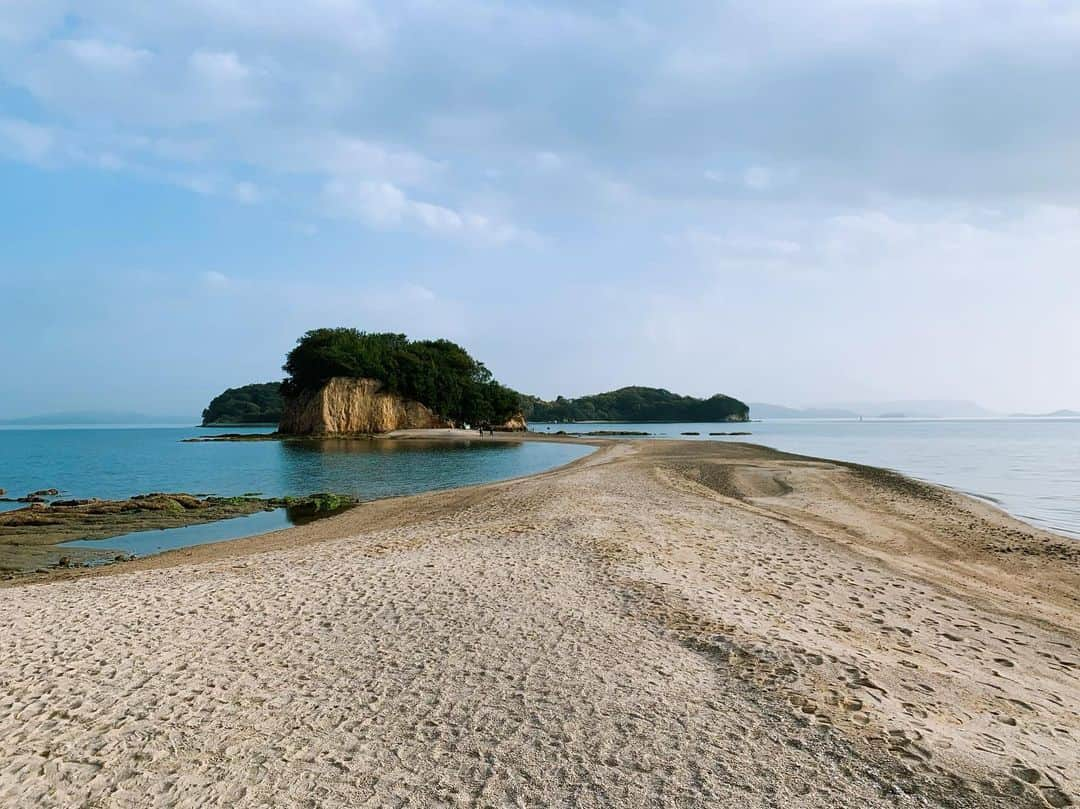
[(691, 621), (252, 544), (457, 434)]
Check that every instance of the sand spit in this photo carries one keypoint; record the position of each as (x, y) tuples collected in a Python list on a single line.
[(660, 624)]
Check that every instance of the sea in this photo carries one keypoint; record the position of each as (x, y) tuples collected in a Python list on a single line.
[(117, 462), (1028, 467)]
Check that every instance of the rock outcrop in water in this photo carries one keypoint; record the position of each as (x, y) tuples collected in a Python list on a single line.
[(515, 424), (346, 405)]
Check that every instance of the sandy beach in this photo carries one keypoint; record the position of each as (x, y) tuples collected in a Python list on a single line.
[(662, 623)]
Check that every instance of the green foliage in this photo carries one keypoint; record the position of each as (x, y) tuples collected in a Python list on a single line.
[(250, 404), (438, 373), (636, 404)]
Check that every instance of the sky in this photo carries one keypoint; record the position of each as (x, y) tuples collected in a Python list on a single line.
[(789, 202)]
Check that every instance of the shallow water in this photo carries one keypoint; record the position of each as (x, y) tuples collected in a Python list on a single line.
[(114, 463), (144, 543), (1029, 467)]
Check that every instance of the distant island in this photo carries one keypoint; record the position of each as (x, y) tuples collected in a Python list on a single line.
[(87, 418), (259, 403), (895, 409), (917, 409), (637, 404), (761, 410), (344, 380), (1057, 414)]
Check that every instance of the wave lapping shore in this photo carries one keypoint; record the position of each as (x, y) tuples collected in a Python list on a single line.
[(662, 623)]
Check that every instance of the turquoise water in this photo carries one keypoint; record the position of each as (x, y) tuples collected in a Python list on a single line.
[(1029, 467), (114, 463)]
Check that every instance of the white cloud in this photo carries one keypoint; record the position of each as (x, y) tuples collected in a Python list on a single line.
[(548, 161), (841, 100), (247, 193), (26, 20), (758, 178), (340, 155), (25, 141), (384, 205), (224, 85), (98, 55), (216, 281), (219, 67), (722, 247)]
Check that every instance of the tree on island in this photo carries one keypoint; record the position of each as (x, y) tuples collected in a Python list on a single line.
[(249, 404), (634, 404), (437, 373)]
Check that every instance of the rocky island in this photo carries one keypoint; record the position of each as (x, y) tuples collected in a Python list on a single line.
[(258, 403), (342, 381), (638, 404), (345, 405)]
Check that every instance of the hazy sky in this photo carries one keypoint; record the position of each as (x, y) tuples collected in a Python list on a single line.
[(784, 201)]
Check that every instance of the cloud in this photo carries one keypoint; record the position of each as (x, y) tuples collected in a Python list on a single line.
[(548, 161), (218, 67), (731, 161), (98, 55), (384, 205), (341, 155), (760, 178), (247, 193), (905, 98), (24, 141), (216, 281)]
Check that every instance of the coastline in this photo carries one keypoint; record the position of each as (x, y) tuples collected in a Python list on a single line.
[(659, 621)]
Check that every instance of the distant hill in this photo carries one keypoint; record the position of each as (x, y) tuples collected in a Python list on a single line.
[(1057, 414), (259, 403), (761, 410), (635, 404), (916, 409), (93, 417)]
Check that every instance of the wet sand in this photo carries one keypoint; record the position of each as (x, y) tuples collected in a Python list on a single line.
[(662, 623)]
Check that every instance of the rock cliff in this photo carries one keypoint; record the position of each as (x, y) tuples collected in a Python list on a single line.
[(515, 424), (346, 405)]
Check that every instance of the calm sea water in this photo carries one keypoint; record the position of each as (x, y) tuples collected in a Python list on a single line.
[(115, 463), (1029, 467), (119, 462)]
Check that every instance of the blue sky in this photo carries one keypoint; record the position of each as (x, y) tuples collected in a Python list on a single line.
[(782, 201)]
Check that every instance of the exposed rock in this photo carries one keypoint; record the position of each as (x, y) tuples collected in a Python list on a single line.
[(514, 424), (345, 405), (40, 524)]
